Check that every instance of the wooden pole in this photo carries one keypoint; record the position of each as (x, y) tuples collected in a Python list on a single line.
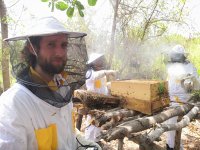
[(120, 144), (178, 136)]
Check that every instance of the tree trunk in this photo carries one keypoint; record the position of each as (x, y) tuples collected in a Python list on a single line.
[(112, 44), (5, 51)]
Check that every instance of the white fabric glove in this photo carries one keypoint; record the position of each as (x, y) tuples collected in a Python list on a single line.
[(84, 144), (188, 85), (188, 82)]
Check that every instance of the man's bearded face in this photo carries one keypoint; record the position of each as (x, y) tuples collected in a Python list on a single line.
[(52, 55)]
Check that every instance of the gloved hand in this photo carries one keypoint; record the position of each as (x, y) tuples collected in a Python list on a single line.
[(84, 144), (188, 83)]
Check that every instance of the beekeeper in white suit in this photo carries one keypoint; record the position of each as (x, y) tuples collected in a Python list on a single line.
[(182, 79), (36, 113), (98, 74), (97, 82)]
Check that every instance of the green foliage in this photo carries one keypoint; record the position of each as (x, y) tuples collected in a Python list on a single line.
[(92, 2), (196, 95), (183, 1), (81, 13), (79, 5), (80, 8), (69, 6), (70, 11), (161, 88), (61, 5), (159, 68), (193, 47)]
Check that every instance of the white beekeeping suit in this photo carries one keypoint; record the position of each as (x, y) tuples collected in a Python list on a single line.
[(182, 78), (97, 82)]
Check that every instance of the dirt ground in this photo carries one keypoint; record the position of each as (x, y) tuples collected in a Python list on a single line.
[(190, 139), (191, 136)]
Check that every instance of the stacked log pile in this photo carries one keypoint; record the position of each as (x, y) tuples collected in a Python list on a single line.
[(118, 123)]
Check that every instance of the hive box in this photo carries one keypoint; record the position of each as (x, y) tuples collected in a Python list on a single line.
[(146, 96)]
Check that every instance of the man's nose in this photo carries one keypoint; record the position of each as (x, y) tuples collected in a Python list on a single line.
[(60, 51)]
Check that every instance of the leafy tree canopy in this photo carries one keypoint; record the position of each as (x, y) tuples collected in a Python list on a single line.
[(69, 5)]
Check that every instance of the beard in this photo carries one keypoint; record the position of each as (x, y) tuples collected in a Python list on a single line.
[(48, 67)]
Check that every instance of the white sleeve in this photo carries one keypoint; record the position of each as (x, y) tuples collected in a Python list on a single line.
[(100, 74), (12, 132), (11, 141)]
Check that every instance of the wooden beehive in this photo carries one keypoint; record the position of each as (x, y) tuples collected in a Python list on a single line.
[(146, 96), (95, 100)]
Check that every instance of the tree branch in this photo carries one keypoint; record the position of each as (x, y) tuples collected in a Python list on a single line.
[(125, 129)]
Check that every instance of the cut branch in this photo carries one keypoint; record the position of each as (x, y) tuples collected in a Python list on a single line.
[(160, 129), (125, 129)]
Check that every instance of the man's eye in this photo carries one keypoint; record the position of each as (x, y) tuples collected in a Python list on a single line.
[(64, 45), (51, 45)]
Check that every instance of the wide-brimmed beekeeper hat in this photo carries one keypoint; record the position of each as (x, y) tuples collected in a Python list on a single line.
[(93, 57), (45, 26), (76, 65), (179, 49), (178, 54)]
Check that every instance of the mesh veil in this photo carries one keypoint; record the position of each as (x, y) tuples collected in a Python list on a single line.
[(76, 60)]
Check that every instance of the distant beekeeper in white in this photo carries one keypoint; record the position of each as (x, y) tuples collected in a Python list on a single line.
[(182, 79), (97, 82), (98, 74)]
